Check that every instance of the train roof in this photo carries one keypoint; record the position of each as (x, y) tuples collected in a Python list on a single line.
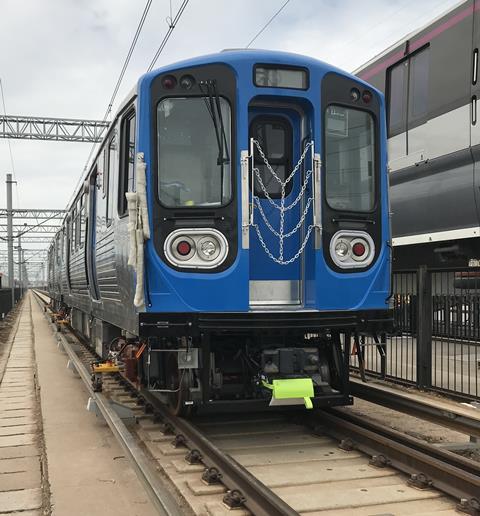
[(241, 56), (408, 36)]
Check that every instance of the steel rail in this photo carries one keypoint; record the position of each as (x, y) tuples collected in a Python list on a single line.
[(414, 407), (258, 498), (429, 466), (160, 496)]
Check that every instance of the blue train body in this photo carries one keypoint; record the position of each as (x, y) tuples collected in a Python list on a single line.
[(325, 289), (267, 243)]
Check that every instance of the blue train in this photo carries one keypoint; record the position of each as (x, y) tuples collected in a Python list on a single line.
[(233, 232)]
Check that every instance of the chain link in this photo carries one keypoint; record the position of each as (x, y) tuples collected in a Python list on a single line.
[(281, 235)]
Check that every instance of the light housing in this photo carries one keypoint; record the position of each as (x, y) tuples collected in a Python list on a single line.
[(367, 96), (350, 249), (355, 94), (208, 248), (169, 82), (187, 82)]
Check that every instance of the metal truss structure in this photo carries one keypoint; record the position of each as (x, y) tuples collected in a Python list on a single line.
[(33, 239), (21, 229), (52, 129), (34, 214)]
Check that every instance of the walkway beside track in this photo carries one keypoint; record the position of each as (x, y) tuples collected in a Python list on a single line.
[(22, 482), (87, 471)]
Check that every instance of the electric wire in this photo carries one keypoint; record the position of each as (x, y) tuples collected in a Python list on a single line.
[(115, 90), (267, 24), (10, 146), (171, 26)]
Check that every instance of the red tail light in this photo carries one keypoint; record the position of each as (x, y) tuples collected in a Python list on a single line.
[(184, 248), (358, 249)]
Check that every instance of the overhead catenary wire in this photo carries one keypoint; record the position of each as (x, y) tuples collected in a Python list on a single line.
[(171, 26), (117, 87), (9, 144), (267, 24)]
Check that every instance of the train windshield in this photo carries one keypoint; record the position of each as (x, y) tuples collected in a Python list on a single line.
[(190, 171), (349, 159)]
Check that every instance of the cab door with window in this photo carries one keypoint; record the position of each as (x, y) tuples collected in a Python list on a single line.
[(274, 280)]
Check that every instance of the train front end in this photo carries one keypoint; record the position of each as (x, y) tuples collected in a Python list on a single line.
[(269, 245)]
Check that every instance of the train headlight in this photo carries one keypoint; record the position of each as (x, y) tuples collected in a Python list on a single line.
[(342, 249), (208, 248)]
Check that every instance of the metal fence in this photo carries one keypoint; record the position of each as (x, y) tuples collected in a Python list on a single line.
[(6, 300), (436, 343)]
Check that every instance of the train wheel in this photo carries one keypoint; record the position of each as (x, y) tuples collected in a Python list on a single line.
[(178, 381)]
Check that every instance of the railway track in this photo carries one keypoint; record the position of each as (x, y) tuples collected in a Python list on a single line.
[(284, 463)]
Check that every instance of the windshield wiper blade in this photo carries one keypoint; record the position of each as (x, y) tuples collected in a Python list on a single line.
[(214, 110)]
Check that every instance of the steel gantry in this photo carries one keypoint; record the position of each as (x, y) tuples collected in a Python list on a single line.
[(19, 227), (34, 214), (53, 129)]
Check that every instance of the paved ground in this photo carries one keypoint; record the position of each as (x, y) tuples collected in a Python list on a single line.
[(88, 474)]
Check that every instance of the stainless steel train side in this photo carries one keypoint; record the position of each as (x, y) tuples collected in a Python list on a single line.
[(430, 79)]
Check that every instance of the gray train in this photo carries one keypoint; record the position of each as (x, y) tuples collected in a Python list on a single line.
[(431, 82)]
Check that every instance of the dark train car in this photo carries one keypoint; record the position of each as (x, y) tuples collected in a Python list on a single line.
[(431, 84), (233, 232)]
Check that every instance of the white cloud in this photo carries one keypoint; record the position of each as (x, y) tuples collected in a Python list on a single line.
[(61, 58)]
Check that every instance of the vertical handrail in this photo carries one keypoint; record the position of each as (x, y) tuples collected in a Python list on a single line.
[(317, 198), (246, 207)]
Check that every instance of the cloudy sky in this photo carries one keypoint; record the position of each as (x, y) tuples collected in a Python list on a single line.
[(61, 58)]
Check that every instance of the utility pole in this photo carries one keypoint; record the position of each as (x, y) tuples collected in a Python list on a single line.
[(10, 237), (20, 265)]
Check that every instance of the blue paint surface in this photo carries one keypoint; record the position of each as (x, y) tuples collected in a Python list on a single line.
[(325, 289)]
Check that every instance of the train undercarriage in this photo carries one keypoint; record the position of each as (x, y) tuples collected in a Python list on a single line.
[(220, 362)]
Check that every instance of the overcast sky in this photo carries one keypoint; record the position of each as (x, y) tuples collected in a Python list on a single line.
[(61, 58)]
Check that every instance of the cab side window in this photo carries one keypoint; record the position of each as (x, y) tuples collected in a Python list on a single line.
[(127, 161)]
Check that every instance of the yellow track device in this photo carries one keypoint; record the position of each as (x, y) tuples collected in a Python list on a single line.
[(105, 367)]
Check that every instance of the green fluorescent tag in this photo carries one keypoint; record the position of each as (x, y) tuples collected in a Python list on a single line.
[(290, 388)]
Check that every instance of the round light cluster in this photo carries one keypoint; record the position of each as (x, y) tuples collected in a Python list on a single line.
[(366, 95), (352, 249), (196, 248), (358, 249), (169, 82)]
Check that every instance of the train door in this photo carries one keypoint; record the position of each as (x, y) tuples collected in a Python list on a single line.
[(276, 267), (408, 93), (91, 236), (475, 106)]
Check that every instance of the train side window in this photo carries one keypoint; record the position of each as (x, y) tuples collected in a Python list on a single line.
[(73, 223), (77, 225), (58, 249), (397, 99), (110, 178), (127, 161), (82, 220), (418, 87), (408, 93)]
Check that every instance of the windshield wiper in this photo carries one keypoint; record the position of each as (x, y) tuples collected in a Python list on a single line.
[(215, 111)]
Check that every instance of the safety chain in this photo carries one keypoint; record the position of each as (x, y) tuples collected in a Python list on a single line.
[(281, 235)]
